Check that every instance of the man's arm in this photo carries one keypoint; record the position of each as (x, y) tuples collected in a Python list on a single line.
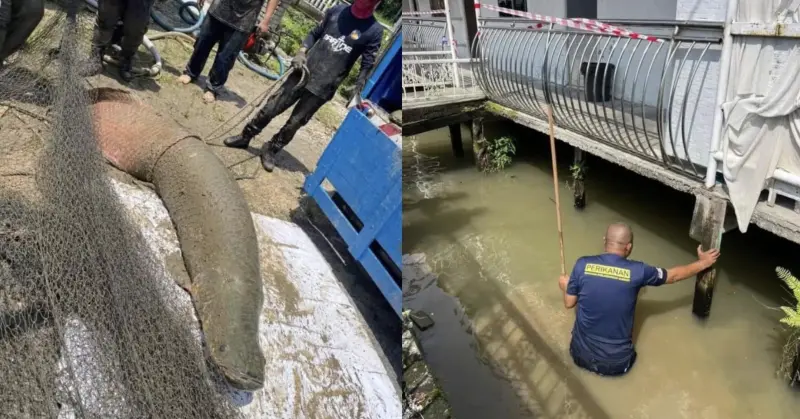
[(704, 261), (368, 60), (570, 285), (263, 27)]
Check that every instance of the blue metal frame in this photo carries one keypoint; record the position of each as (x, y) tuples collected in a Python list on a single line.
[(364, 166)]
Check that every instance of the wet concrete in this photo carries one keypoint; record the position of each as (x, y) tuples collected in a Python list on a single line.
[(492, 241)]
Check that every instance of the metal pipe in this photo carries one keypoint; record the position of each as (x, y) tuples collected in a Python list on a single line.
[(722, 92)]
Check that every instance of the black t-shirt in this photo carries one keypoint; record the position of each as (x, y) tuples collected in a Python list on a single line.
[(334, 46), (241, 15)]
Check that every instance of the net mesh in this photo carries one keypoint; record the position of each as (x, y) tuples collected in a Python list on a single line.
[(86, 327)]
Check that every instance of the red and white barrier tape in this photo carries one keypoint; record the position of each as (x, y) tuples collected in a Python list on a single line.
[(581, 23), (423, 13)]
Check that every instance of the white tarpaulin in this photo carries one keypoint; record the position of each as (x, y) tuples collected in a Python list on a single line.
[(321, 361), (762, 122)]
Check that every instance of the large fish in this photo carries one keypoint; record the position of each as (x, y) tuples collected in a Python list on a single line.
[(212, 219)]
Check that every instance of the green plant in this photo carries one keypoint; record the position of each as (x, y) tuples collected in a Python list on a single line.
[(498, 153), (577, 173), (792, 318), (790, 364), (297, 25)]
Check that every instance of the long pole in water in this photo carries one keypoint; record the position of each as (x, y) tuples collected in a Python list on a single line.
[(555, 186)]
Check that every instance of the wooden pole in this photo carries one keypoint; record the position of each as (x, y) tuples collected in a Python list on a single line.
[(555, 187)]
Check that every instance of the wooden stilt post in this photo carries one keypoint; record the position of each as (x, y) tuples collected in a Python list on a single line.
[(479, 144), (578, 188), (455, 140), (708, 224)]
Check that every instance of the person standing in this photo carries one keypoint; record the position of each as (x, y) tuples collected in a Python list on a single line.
[(228, 25), (346, 33), (18, 20), (135, 17), (605, 288)]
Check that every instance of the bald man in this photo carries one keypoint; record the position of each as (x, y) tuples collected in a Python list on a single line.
[(605, 288)]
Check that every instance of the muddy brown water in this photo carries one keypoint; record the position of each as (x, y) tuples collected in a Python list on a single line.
[(492, 241)]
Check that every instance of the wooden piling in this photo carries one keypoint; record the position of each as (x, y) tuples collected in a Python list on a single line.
[(708, 224), (479, 144), (578, 187), (455, 140)]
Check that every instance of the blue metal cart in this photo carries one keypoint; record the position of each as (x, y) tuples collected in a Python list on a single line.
[(363, 164)]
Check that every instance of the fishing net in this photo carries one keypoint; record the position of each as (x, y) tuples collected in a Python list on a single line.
[(86, 327)]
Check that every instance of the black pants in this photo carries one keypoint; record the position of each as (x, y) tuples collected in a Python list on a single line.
[(135, 16), (601, 367), (18, 19), (286, 96), (230, 42)]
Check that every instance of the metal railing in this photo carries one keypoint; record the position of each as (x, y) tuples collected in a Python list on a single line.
[(648, 99), (425, 34), (434, 77)]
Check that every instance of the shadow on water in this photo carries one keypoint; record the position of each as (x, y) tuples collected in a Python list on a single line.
[(557, 392)]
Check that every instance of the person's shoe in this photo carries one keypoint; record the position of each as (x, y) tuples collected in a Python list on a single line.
[(95, 64), (185, 79), (126, 69), (268, 159), (209, 97), (237, 141)]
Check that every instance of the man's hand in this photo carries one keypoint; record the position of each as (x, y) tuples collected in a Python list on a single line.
[(707, 258), (563, 280), (299, 59), (263, 27)]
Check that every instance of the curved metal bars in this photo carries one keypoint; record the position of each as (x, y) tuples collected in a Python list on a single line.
[(424, 34), (648, 99)]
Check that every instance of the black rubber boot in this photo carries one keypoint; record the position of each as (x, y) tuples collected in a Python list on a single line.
[(237, 141), (268, 159), (126, 69), (95, 64)]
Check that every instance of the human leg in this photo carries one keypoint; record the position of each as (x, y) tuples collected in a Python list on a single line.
[(304, 110), (134, 26), (108, 14), (231, 44), (608, 368), (210, 34), (25, 16), (279, 102)]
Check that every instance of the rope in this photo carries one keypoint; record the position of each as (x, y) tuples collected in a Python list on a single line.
[(247, 111)]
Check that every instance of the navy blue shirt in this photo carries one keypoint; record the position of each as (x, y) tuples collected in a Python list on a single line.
[(607, 287)]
